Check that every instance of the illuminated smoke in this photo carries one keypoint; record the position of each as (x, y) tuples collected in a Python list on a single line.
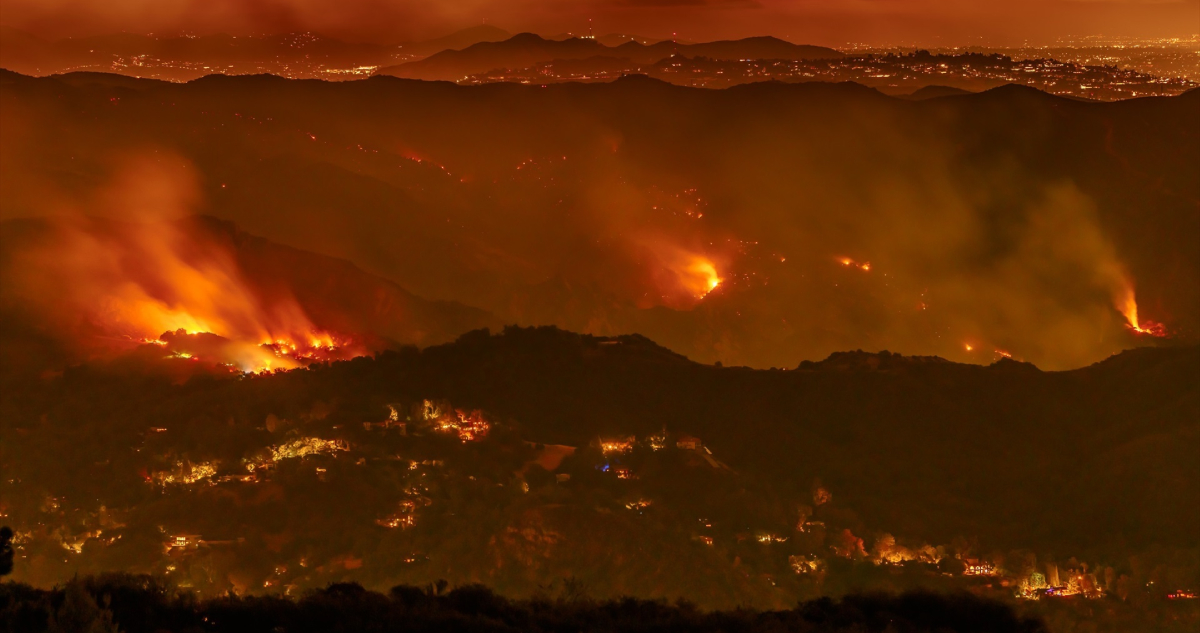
[(1126, 302), (106, 285)]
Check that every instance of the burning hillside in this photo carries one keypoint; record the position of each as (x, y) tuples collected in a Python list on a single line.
[(759, 225), (198, 291), (1127, 304), (167, 284)]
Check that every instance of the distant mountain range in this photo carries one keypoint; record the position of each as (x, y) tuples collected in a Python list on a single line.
[(473, 49), (456, 41), (181, 58), (526, 49)]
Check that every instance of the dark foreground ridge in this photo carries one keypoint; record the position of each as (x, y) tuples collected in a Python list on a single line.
[(136, 604), (522, 458)]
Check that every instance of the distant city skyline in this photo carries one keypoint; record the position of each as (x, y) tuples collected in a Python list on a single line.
[(824, 22)]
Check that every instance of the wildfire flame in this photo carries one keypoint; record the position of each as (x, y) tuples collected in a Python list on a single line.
[(680, 276), (863, 266), (1127, 304), (169, 285), (701, 277)]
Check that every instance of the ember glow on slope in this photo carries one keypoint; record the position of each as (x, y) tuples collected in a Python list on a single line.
[(156, 284), (153, 281), (149, 280), (695, 274), (1128, 306)]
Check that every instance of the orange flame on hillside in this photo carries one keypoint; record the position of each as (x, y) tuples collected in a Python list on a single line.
[(172, 286), (863, 266), (681, 276), (164, 287), (700, 277), (1127, 304)]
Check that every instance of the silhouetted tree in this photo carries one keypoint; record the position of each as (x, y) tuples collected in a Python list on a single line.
[(79, 613), (6, 551)]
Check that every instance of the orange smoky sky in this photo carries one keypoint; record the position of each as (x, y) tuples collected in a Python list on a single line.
[(828, 22)]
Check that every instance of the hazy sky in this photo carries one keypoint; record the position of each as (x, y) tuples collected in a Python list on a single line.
[(830, 22)]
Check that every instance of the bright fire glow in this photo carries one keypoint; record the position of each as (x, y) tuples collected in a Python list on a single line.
[(863, 266), (1127, 304), (176, 286), (616, 446), (680, 276), (701, 277)]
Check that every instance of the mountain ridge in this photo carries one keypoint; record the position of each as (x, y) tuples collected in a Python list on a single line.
[(525, 49), (186, 57)]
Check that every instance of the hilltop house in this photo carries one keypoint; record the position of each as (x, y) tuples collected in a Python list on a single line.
[(184, 541), (976, 567)]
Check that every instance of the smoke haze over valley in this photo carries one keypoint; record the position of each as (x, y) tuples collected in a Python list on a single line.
[(604, 316), (728, 232)]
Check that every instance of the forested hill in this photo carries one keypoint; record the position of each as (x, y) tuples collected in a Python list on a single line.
[(921, 445)]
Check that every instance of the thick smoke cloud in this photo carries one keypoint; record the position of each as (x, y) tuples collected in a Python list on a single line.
[(954, 267), (123, 270)]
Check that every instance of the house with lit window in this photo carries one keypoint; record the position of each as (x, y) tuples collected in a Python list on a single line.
[(977, 567)]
